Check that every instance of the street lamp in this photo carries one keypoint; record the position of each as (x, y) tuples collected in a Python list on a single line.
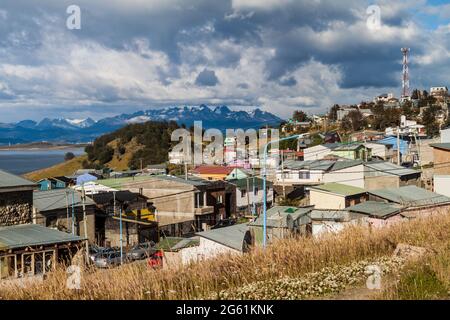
[(296, 136)]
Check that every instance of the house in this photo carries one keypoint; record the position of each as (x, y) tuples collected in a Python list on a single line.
[(16, 199), (288, 154), (156, 168), (380, 174), (92, 187), (51, 183), (332, 221), (319, 152), (235, 239), (282, 222), (133, 210), (441, 184), (238, 173), (335, 196), (378, 213), (355, 151), (343, 112), (183, 206), (380, 150), (409, 196), (439, 92), (30, 249), (62, 209), (212, 172), (441, 158), (403, 145), (250, 195), (123, 174), (177, 157), (349, 172), (385, 97), (177, 250), (445, 135)]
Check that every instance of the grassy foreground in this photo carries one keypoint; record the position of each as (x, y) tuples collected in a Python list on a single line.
[(291, 258)]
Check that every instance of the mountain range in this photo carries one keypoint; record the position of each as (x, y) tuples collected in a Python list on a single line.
[(86, 130)]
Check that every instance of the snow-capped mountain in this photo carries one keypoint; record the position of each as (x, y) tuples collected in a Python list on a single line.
[(82, 130)]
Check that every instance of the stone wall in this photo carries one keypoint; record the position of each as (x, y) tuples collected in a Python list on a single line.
[(15, 207)]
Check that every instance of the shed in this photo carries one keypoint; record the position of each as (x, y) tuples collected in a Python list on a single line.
[(335, 196)]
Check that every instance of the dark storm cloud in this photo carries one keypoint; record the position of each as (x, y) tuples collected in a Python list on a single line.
[(207, 78)]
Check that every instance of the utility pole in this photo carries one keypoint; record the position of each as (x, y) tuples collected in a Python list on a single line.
[(121, 236), (185, 171), (248, 197), (73, 211), (83, 198), (282, 173), (67, 209), (398, 145)]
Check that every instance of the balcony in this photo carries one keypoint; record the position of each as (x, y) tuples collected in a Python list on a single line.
[(204, 210)]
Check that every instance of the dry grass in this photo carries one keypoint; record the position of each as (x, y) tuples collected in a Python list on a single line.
[(67, 168), (286, 258)]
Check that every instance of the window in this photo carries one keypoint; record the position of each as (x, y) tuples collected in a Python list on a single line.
[(219, 199), (243, 193), (256, 191), (303, 175)]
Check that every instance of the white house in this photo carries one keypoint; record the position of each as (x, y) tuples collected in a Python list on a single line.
[(348, 172), (250, 194), (379, 150), (442, 184), (318, 152), (235, 239)]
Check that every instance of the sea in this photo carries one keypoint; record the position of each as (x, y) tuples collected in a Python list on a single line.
[(24, 161)]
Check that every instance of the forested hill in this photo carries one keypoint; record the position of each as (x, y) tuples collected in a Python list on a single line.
[(148, 142)]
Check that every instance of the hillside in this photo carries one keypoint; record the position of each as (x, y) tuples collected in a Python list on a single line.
[(66, 168), (303, 268)]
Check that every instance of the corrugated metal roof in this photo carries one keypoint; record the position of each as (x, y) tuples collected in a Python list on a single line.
[(24, 235), (410, 196), (8, 180), (333, 215), (346, 147), (242, 183), (57, 199), (232, 236), (339, 188), (277, 217), (321, 165), (390, 168), (445, 146), (376, 208)]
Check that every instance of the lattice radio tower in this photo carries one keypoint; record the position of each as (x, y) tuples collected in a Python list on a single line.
[(405, 74)]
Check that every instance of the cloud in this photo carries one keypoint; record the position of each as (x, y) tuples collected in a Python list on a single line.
[(279, 55), (207, 78)]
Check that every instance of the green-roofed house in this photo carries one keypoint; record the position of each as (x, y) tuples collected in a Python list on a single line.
[(282, 222), (335, 196), (354, 151), (31, 249), (16, 199)]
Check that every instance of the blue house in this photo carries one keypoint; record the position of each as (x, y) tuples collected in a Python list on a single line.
[(52, 183), (404, 146)]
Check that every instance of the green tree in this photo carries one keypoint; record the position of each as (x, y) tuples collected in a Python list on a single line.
[(332, 115), (429, 120), (353, 121), (300, 116), (69, 156)]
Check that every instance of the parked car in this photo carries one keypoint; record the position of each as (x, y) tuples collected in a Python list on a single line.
[(141, 251), (94, 251), (107, 259)]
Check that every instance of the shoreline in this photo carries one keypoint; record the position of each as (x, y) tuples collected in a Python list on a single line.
[(41, 147)]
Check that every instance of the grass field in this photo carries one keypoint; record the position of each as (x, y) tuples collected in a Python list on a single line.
[(286, 259), (66, 168)]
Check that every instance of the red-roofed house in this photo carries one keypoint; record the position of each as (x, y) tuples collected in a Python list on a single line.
[(212, 172)]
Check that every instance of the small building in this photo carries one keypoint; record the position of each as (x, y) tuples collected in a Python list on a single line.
[(380, 150), (319, 152), (62, 209), (133, 210), (355, 151), (402, 144), (51, 183), (239, 173), (441, 158), (250, 195), (380, 174), (306, 173), (282, 222), (411, 197), (212, 172), (378, 213), (335, 196), (177, 250), (332, 221), (30, 249), (156, 169), (441, 184), (16, 199)]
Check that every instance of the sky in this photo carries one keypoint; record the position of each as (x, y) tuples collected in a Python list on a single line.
[(279, 55)]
